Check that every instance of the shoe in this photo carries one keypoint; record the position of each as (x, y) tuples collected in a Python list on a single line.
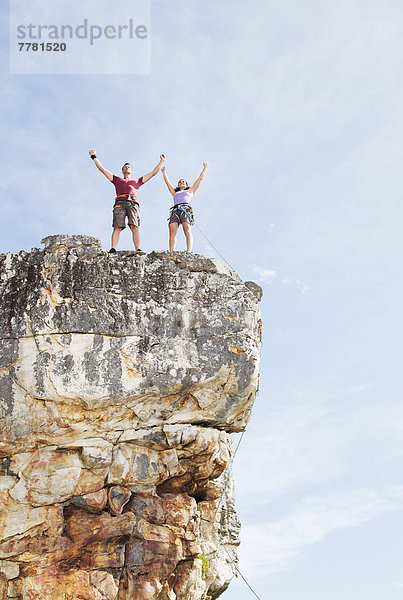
[(138, 251), (112, 250)]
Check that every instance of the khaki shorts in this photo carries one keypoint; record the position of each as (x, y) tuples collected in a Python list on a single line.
[(123, 209)]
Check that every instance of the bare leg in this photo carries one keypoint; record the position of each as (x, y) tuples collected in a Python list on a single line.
[(136, 236), (188, 235), (173, 228), (115, 236)]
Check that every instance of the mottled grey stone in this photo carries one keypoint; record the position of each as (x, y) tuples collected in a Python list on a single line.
[(255, 289), (168, 326), (6, 395), (55, 242), (8, 352), (142, 466)]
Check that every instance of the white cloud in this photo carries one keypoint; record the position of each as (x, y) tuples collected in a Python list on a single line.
[(314, 437), (314, 434), (272, 546), (304, 289), (265, 275)]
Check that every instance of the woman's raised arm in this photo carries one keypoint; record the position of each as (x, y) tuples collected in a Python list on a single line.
[(198, 181)]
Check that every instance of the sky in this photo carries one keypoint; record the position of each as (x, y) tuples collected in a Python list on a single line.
[(296, 106)]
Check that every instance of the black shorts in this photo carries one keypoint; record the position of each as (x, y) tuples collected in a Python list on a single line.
[(181, 215), (123, 209)]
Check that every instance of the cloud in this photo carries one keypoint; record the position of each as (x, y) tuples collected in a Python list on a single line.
[(265, 275), (315, 434), (271, 547), (303, 288), (309, 470)]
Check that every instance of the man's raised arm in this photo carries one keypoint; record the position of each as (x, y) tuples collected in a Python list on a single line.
[(148, 176), (107, 173), (166, 179)]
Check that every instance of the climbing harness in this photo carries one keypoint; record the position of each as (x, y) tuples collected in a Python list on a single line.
[(125, 198), (129, 197), (185, 209)]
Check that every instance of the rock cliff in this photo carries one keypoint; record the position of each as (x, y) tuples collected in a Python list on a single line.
[(121, 379)]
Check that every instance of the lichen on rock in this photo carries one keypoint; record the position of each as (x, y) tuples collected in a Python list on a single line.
[(122, 377)]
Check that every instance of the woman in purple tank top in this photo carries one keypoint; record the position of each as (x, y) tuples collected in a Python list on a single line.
[(181, 212)]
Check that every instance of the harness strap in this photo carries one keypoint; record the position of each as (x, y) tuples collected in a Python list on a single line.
[(184, 208), (126, 198), (130, 197)]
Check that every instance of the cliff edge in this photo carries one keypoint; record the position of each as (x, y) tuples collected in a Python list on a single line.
[(121, 378)]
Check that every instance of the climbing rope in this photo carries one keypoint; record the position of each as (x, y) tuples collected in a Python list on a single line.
[(212, 245), (236, 567), (226, 480), (229, 466), (228, 469)]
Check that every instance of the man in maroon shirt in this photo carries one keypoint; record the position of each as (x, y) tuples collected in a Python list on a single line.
[(126, 204)]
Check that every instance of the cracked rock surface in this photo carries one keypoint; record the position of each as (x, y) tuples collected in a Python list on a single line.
[(121, 379)]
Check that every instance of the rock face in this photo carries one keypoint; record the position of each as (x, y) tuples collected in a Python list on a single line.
[(121, 378)]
